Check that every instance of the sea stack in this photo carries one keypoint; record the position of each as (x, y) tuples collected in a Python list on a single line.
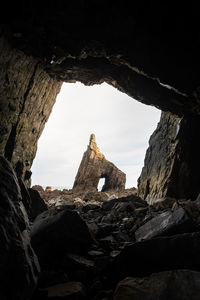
[(94, 166)]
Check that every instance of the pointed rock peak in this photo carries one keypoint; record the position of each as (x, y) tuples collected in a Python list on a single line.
[(94, 166), (92, 144)]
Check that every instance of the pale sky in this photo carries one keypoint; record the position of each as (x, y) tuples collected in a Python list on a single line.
[(121, 124)]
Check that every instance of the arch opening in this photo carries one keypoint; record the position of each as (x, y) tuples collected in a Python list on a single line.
[(101, 183)]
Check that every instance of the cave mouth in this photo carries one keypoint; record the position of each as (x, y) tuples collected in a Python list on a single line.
[(122, 127)]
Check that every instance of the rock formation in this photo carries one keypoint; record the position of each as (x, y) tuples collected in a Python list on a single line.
[(172, 154), (19, 265), (95, 166), (27, 95), (148, 50)]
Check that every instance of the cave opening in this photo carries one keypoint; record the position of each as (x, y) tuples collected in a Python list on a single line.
[(150, 51), (122, 127)]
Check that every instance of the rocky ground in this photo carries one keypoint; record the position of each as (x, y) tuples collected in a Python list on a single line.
[(104, 246)]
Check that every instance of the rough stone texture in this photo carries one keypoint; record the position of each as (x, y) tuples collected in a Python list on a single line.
[(166, 223), (57, 231), (140, 259), (172, 162), (69, 290), (176, 285), (19, 268), (95, 166), (27, 95), (37, 204)]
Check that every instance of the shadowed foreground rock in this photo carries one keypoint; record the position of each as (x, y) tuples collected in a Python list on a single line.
[(159, 254), (19, 266), (167, 223), (176, 285), (95, 166), (37, 204), (56, 231)]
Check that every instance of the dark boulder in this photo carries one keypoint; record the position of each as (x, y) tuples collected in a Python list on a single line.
[(166, 223), (59, 230), (37, 204), (69, 291), (19, 266), (135, 200), (176, 285), (158, 254)]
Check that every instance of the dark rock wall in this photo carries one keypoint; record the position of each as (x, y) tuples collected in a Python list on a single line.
[(27, 95), (148, 50), (19, 267), (172, 160)]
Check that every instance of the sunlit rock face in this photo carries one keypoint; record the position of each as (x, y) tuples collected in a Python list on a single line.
[(95, 166), (27, 95), (172, 162)]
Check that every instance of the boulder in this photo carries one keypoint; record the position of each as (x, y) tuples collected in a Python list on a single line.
[(38, 188), (176, 285), (135, 200), (59, 230), (95, 166), (37, 204), (71, 290), (49, 189), (159, 254), (165, 223), (19, 268)]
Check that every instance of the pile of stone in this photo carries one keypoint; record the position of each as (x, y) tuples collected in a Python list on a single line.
[(118, 248)]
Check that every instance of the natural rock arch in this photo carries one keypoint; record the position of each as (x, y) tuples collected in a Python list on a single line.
[(94, 166)]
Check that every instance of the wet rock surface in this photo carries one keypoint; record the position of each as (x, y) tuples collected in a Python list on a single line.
[(167, 223)]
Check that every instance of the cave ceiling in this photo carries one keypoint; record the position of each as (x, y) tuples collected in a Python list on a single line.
[(148, 50)]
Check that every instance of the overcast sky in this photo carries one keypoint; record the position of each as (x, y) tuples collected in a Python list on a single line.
[(121, 124)]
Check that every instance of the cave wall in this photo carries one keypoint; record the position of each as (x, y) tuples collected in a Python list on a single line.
[(19, 266), (149, 51), (27, 95), (172, 161)]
